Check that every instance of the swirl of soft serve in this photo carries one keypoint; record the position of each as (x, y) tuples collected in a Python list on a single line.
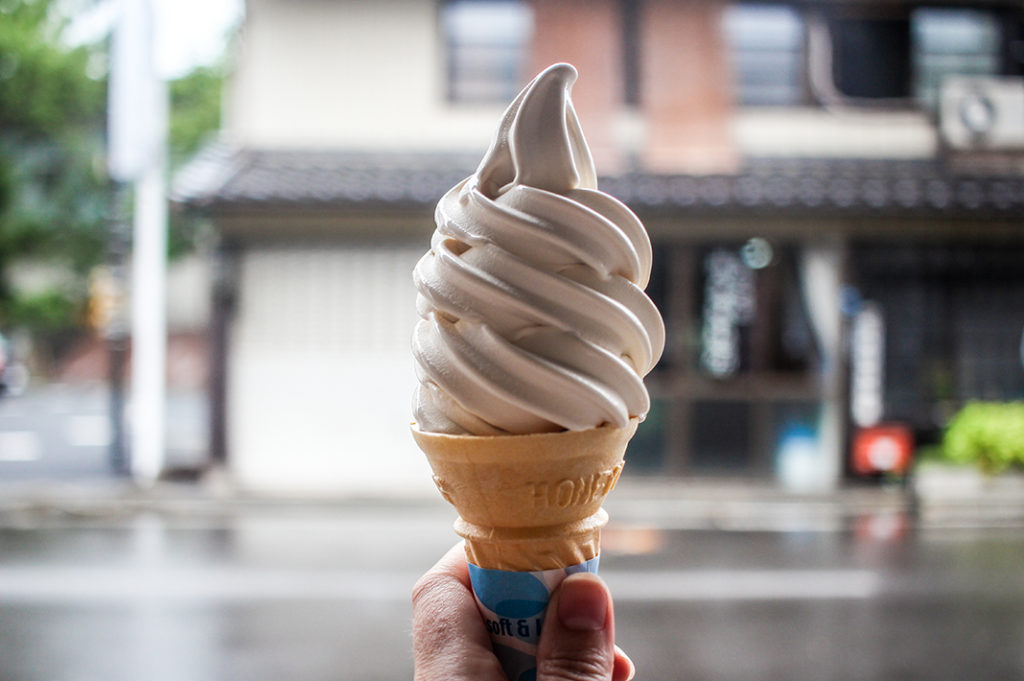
[(533, 314)]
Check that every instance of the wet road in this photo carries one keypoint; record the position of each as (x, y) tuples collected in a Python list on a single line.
[(277, 591), (64, 432)]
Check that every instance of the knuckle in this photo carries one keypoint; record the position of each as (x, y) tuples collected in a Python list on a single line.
[(433, 618), (584, 665), (425, 587), (433, 588)]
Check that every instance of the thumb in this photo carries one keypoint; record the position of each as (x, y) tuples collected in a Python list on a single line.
[(578, 639)]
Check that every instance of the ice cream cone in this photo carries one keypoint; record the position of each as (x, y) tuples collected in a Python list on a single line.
[(533, 316), (528, 502)]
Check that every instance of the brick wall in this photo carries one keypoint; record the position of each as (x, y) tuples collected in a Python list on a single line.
[(685, 87), (586, 34), (686, 102)]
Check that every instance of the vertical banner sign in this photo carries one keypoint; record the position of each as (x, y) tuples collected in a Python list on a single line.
[(729, 303), (867, 359)]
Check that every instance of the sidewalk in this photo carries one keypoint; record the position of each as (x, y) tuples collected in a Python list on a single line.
[(940, 500)]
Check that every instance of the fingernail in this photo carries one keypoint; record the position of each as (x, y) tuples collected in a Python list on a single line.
[(630, 667), (582, 603)]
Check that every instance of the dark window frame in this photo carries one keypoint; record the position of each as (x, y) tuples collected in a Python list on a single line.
[(499, 66)]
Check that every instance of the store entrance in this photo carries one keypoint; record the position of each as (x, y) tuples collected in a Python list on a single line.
[(741, 372)]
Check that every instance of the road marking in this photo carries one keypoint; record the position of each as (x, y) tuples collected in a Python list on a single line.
[(88, 431), (125, 584), (212, 584), (20, 445), (744, 585)]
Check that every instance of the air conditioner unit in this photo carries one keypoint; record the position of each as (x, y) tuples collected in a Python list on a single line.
[(982, 112)]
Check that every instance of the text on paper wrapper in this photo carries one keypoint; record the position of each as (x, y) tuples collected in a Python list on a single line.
[(526, 629), (574, 491)]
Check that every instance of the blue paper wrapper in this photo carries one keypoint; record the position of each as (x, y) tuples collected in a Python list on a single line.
[(513, 605)]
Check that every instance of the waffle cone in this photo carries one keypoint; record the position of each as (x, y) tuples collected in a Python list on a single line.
[(528, 502)]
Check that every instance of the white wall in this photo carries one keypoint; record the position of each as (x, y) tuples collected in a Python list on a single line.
[(188, 293), (808, 132), (370, 75), (347, 73), (321, 374)]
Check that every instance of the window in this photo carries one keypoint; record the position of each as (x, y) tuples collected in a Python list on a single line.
[(951, 42), (870, 55), (741, 368), (485, 42), (751, 312), (766, 43), (892, 57), (954, 316)]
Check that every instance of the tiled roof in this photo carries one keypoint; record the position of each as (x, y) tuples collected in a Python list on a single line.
[(222, 179)]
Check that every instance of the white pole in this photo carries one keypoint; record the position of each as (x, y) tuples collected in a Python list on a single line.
[(138, 140), (134, 135), (149, 321), (822, 282)]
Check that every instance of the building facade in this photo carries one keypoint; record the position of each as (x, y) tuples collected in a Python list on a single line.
[(834, 191)]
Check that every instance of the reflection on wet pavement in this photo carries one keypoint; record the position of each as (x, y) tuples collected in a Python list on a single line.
[(322, 592)]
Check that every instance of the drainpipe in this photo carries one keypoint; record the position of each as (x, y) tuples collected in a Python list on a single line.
[(223, 306)]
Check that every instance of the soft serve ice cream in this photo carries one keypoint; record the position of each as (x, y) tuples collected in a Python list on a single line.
[(533, 315)]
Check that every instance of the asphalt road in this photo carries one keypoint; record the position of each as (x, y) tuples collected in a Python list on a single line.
[(64, 432), (269, 591)]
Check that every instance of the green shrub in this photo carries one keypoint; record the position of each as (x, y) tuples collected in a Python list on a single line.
[(49, 311), (987, 434)]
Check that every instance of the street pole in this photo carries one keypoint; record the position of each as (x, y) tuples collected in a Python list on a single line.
[(149, 318), (115, 330), (137, 157)]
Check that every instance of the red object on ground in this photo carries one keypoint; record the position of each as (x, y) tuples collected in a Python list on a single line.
[(883, 449)]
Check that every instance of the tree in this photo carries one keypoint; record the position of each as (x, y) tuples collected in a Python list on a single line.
[(195, 117), (54, 192), (195, 111)]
